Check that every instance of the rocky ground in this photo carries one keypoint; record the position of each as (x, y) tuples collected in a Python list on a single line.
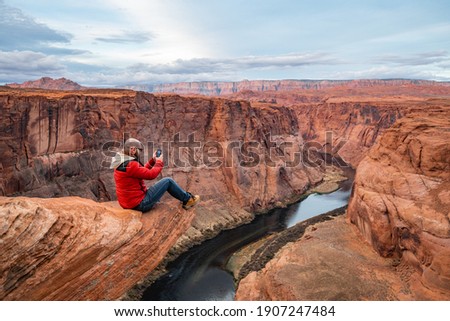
[(72, 248), (324, 261)]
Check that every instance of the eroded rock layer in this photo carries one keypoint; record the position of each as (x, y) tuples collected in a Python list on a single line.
[(401, 198), (71, 248)]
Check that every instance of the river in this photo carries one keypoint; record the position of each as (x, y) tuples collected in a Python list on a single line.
[(200, 274)]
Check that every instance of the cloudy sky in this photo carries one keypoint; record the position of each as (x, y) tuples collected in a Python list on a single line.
[(117, 42)]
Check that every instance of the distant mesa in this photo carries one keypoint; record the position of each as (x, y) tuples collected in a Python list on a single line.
[(247, 89), (49, 84), (224, 88)]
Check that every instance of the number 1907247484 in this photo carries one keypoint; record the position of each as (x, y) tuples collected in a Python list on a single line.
[(295, 311)]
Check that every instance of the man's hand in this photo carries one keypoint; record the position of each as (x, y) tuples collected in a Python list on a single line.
[(160, 158)]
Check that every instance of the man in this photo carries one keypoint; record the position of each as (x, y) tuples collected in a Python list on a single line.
[(129, 174)]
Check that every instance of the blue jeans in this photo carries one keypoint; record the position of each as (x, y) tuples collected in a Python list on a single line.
[(155, 192)]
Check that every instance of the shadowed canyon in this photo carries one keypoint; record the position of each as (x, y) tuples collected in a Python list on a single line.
[(246, 148)]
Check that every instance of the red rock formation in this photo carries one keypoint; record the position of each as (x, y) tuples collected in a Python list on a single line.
[(76, 249), (54, 146), (49, 84), (400, 205), (354, 112), (48, 142), (401, 200), (348, 128)]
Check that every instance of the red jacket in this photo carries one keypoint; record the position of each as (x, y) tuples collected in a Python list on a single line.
[(129, 177)]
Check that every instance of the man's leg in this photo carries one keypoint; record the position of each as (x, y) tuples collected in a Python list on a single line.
[(175, 190), (155, 192)]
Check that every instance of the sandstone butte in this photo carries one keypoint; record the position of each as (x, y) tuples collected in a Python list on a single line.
[(52, 145), (49, 84)]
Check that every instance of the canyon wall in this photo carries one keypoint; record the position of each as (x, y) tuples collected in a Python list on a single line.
[(347, 128), (51, 143), (60, 145), (401, 200), (342, 117), (394, 243)]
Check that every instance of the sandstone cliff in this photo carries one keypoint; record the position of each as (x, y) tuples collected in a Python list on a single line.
[(401, 200), (59, 144), (76, 249)]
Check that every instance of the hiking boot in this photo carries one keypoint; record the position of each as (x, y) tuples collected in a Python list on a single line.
[(191, 202)]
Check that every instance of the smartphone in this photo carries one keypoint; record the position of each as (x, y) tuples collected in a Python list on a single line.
[(158, 153)]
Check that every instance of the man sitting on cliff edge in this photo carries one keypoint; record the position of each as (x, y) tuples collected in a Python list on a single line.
[(129, 175)]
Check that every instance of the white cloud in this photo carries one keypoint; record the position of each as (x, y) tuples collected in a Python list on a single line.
[(126, 37), (424, 58), (226, 69), (117, 42), (392, 72), (19, 65), (173, 37), (205, 65), (21, 32)]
